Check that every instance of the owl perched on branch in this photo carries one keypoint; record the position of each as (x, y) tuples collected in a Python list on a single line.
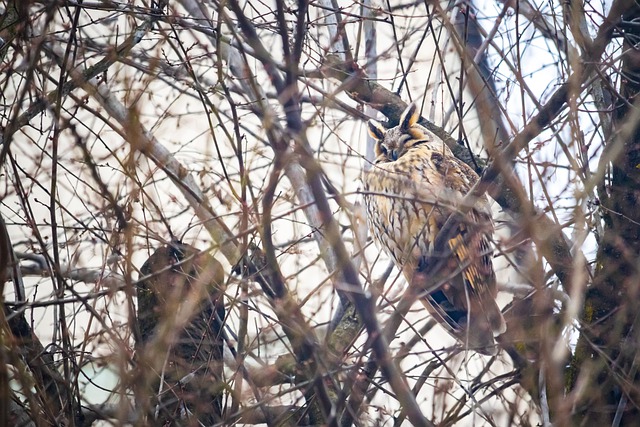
[(180, 342), (413, 187)]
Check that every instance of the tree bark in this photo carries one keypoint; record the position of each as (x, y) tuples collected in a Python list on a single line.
[(603, 375)]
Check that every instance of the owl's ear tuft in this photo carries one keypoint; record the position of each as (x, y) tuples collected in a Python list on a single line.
[(409, 116), (376, 130)]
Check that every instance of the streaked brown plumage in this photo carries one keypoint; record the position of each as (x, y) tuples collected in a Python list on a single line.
[(180, 315), (410, 191)]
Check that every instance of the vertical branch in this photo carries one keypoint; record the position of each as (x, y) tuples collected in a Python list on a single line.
[(339, 43), (371, 57), (350, 408)]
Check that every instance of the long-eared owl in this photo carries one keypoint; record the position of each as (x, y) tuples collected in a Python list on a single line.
[(415, 184)]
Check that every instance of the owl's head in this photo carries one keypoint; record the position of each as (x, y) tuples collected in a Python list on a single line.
[(391, 144)]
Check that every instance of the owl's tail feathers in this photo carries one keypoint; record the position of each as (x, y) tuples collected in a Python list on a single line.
[(493, 322), (471, 327), (494, 315), (485, 322)]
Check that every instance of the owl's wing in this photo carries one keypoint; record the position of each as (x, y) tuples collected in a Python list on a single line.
[(477, 283), (465, 301)]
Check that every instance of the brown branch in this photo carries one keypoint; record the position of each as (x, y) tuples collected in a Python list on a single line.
[(49, 384), (296, 327), (361, 299)]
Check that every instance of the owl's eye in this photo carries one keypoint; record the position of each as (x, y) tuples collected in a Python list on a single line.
[(380, 149)]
